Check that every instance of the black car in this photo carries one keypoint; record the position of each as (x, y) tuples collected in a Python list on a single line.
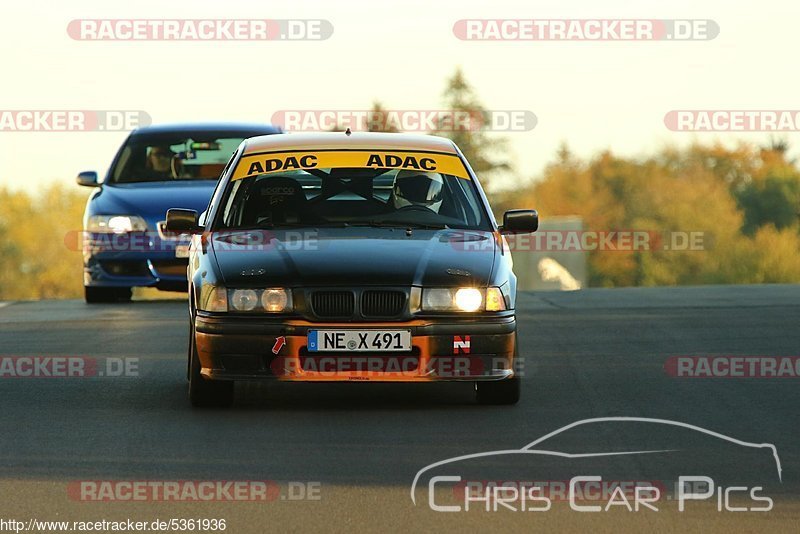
[(350, 257)]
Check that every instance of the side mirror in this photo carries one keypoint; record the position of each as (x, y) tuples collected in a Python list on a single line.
[(87, 178), (520, 222), (180, 221)]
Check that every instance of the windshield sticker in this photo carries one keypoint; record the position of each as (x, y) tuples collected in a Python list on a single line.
[(255, 164)]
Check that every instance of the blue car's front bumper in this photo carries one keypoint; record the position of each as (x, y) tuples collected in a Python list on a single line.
[(143, 259)]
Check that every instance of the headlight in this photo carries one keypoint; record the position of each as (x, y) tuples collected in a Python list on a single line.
[(115, 224), (437, 299), (273, 300), (469, 299), (464, 299), (243, 299), (276, 300)]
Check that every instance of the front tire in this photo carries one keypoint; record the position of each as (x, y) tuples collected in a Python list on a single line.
[(502, 392), (106, 295), (203, 392)]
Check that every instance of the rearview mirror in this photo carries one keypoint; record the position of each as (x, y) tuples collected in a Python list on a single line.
[(520, 221), (180, 221), (87, 178)]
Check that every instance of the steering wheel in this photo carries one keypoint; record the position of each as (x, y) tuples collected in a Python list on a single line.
[(416, 207), (176, 166)]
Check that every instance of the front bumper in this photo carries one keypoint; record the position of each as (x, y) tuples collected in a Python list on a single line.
[(447, 349), (135, 260)]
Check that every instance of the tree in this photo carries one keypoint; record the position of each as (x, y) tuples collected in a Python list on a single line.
[(377, 120), (773, 201), (484, 153), (772, 197), (672, 193), (38, 243)]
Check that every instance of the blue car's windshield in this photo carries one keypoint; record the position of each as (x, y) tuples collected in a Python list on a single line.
[(179, 158)]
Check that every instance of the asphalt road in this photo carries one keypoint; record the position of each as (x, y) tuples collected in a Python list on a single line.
[(587, 354)]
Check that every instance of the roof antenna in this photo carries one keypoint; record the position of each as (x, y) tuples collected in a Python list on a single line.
[(347, 131)]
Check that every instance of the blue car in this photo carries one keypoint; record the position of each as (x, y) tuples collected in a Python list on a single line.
[(157, 168)]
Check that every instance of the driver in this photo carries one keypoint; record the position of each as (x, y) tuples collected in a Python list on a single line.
[(417, 188), (159, 161)]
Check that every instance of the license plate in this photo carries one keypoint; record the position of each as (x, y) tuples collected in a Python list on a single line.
[(182, 251), (359, 340)]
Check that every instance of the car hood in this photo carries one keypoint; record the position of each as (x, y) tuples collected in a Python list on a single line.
[(355, 256), (151, 200)]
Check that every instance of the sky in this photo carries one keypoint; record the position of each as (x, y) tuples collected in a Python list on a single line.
[(591, 95)]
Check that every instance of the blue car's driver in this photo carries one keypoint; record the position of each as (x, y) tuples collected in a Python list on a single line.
[(162, 163)]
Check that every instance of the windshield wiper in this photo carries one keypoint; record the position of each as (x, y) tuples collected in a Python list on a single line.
[(404, 225), (354, 224), (304, 225), (285, 225)]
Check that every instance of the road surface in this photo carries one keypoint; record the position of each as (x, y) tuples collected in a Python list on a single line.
[(357, 447)]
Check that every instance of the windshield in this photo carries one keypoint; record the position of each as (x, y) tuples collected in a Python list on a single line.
[(353, 197), (179, 158)]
